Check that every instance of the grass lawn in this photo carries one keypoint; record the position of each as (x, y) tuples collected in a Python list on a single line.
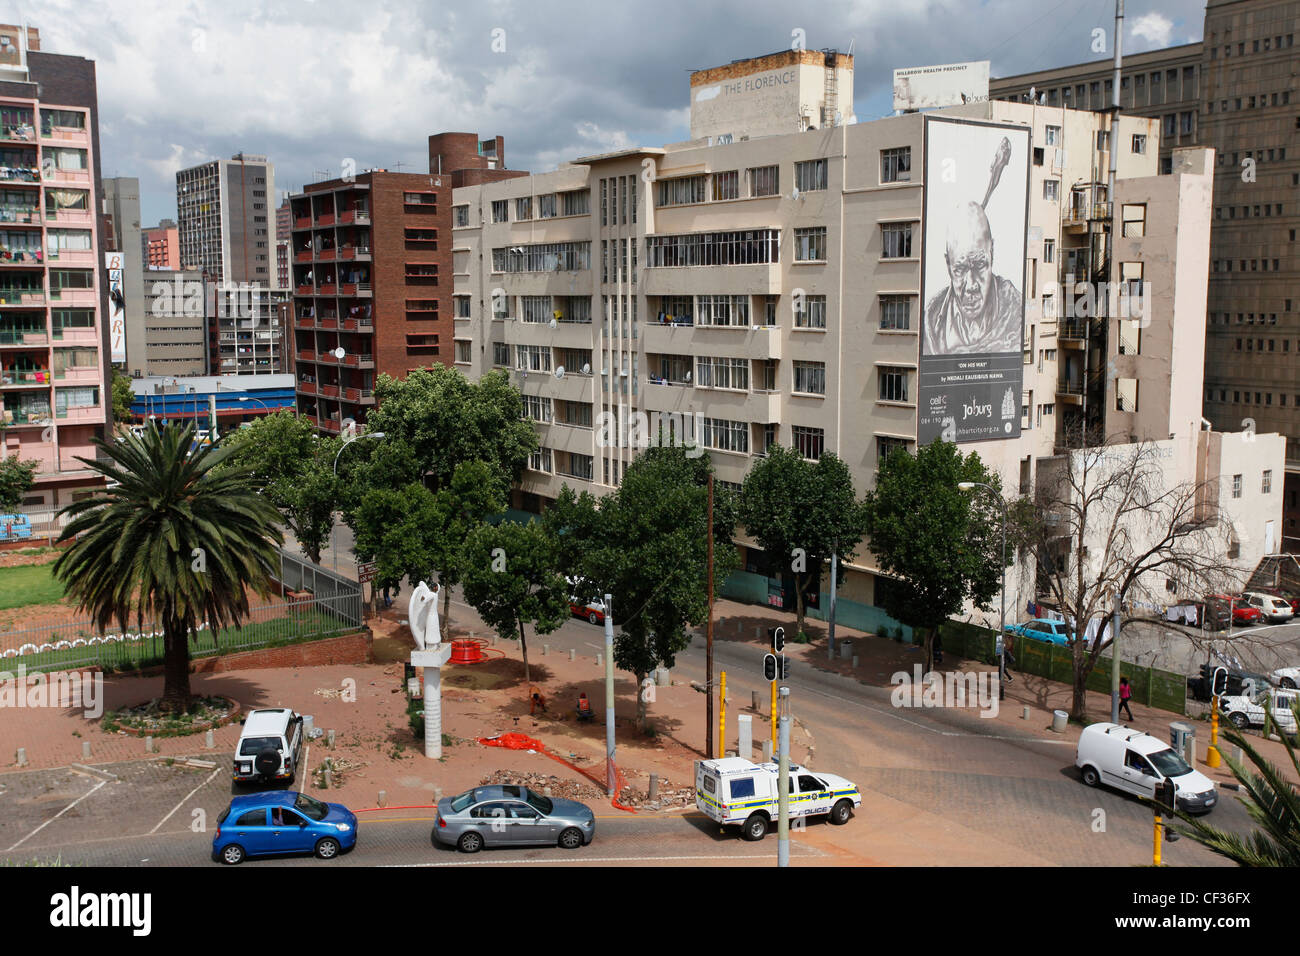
[(28, 584)]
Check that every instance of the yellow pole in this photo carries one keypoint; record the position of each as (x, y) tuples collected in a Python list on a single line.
[(1212, 752), (722, 717), (1156, 850), (773, 713)]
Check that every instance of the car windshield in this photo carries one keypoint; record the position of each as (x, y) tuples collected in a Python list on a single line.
[(539, 803), (1169, 763), (311, 807), (250, 746), (461, 802)]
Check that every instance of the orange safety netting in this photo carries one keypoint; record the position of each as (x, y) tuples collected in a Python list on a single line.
[(516, 741)]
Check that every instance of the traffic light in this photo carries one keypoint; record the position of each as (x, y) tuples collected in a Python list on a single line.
[(1219, 683), (769, 667), (778, 639), (1166, 794), (785, 668)]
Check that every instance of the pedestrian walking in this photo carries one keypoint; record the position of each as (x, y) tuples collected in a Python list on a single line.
[(1125, 692)]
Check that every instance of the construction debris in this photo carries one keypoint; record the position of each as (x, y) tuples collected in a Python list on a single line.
[(552, 785)]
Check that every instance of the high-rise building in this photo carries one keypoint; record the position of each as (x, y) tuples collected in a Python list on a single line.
[(160, 246), (1238, 92), (55, 350), (122, 235)]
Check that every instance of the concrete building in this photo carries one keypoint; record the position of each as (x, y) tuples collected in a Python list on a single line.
[(767, 289), (175, 325), (122, 234), (1238, 92), (233, 399), (160, 246), (54, 340)]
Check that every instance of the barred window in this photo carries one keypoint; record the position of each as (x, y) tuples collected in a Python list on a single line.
[(896, 312), (535, 308), (683, 191), (463, 352), (810, 244), (896, 240), (711, 372), (537, 408), (810, 377), (500, 354), (893, 384), (896, 165), (574, 308), (724, 310), (812, 314), (886, 446), (809, 442), (576, 202), (524, 208), (726, 185), (462, 306), (725, 435), (810, 175), (764, 180), (462, 215), (546, 206), (500, 210), (533, 358), (741, 247), (540, 460), (543, 257)]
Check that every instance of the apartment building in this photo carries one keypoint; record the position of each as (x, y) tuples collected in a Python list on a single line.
[(54, 346), (283, 234), (160, 246), (1236, 91), (175, 320), (753, 290)]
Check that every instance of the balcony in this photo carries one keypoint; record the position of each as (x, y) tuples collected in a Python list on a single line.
[(325, 219), (80, 177), (22, 338), (1070, 392), (307, 388), (29, 258), (25, 378), (328, 288), (20, 174), (358, 325), (303, 256), (326, 255), (358, 361), (21, 297), (26, 415), (69, 135), (360, 289), (328, 391), (306, 355), (329, 322), (302, 222), (304, 322), (20, 215), (18, 133), (305, 290)]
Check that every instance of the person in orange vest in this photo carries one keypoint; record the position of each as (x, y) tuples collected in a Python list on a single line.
[(537, 702), (584, 706)]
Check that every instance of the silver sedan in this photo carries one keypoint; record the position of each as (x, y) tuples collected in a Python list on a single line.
[(508, 815)]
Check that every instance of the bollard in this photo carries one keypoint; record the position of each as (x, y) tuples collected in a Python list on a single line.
[(663, 677), (1024, 713), (148, 745), (546, 649), (210, 740), (85, 750), (846, 650), (767, 751), (383, 798), (330, 737), (855, 660), (572, 654), (746, 731), (22, 756), (328, 778), (600, 659), (753, 701), (653, 793)]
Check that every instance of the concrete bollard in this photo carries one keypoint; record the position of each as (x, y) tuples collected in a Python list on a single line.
[(383, 798), (653, 793), (767, 751), (746, 731), (663, 677), (1024, 713), (753, 701), (572, 654), (210, 740), (148, 745), (846, 650), (600, 659), (855, 661), (85, 750), (328, 780), (546, 649), (330, 738), (22, 756)]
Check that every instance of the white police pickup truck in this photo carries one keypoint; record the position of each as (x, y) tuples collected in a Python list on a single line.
[(735, 792)]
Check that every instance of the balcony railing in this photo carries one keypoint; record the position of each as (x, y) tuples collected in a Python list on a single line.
[(302, 222), (25, 376), (21, 297), (23, 215), (325, 219), (28, 257), (20, 174), (18, 132), (329, 391), (21, 337)]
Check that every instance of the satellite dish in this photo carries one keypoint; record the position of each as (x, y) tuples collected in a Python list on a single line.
[(339, 353), (795, 194), (688, 376), (559, 371), (553, 324), (586, 369), (1033, 92)]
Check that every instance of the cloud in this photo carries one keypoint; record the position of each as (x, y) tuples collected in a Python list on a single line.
[(1155, 28)]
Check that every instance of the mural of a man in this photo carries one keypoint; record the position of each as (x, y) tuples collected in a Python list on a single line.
[(978, 311)]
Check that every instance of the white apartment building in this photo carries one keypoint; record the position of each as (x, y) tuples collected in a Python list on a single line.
[(768, 289)]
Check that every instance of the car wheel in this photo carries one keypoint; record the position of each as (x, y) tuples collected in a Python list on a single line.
[(470, 842), (232, 854), (1091, 777), (841, 812), (1238, 720), (755, 827), (327, 848), (1288, 683), (571, 838), (593, 617)]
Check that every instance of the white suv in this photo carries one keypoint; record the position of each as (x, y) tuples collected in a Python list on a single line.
[(269, 745)]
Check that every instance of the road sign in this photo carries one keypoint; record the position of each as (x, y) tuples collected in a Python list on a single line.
[(366, 572)]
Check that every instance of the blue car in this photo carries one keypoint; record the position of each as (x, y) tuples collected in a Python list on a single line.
[(1050, 632), (282, 821)]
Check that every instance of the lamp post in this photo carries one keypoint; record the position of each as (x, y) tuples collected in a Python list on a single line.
[(1002, 623), (355, 438), (249, 398)]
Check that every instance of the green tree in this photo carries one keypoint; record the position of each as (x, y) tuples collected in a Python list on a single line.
[(123, 396), (179, 540), (511, 577), (942, 544), (16, 479), (799, 512)]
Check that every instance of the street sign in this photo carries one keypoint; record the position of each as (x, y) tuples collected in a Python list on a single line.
[(366, 572)]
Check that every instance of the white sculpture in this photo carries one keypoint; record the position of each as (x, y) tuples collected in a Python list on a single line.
[(422, 612)]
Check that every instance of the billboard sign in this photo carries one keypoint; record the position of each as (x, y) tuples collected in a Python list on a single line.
[(973, 281), (926, 87), (113, 262)]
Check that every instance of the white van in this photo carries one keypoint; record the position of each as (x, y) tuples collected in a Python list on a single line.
[(735, 792), (1137, 763), (269, 745)]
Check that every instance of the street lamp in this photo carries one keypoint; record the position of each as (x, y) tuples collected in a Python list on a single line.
[(355, 438), (1002, 624)]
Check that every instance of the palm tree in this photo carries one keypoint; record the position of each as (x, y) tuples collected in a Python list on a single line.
[(176, 540), (1272, 801)]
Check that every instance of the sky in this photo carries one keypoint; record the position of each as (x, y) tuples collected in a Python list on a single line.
[(313, 84)]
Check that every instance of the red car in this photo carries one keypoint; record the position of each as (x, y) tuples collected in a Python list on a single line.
[(1242, 613), (594, 611)]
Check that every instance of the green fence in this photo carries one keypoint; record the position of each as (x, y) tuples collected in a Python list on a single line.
[(751, 588)]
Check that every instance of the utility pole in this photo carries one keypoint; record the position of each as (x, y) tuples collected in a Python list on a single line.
[(1114, 663), (609, 695), (708, 639), (830, 623), (783, 785)]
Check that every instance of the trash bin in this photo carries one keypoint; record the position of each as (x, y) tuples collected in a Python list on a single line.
[(1060, 719), (1180, 738), (846, 650)]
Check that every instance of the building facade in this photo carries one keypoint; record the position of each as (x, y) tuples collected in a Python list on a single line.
[(175, 324), (122, 235), (160, 246), (54, 343)]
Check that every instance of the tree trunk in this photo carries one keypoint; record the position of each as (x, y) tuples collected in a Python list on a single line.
[(446, 607), (798, 606), (1079, 702), (640, 699), (929, 649), (176, 667), (523, 644)]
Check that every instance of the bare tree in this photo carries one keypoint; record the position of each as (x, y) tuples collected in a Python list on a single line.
[(1109, 525)]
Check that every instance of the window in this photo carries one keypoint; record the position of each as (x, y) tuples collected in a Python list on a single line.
[(1052, 134), (540, 460), (896, 165), (726, 185), (809, 442), (810, 244), (1186, 123), (896, 240), (683, 191), (524, 208), (546, 206), (1051, 190), (1103, 140), (536, 407), (1236, 486), (724, 310), (714, 248), (535, 308), (1139, 143), (543, 257), (500, 354), (461, 306), (533, 358), (886, 446), (764, 180), (462, 215), (724, 435), (810, 175), (1126, 395), (711, 372), (810, 377), (576, 202), (893, 384), (1266, 483), (812, 315), (500, 210), (896, 313), (66, 399)]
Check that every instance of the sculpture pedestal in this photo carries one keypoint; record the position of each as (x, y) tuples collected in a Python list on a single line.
[(432, 660)]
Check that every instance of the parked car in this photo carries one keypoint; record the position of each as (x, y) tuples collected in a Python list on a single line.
[(1288, 677), (269, 745), (1289, 596), (507, 815), (282, 821), (1136, 762), (1248, 710), (1242, 613), (1041, 629), (593, 610), (1275, 609)]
